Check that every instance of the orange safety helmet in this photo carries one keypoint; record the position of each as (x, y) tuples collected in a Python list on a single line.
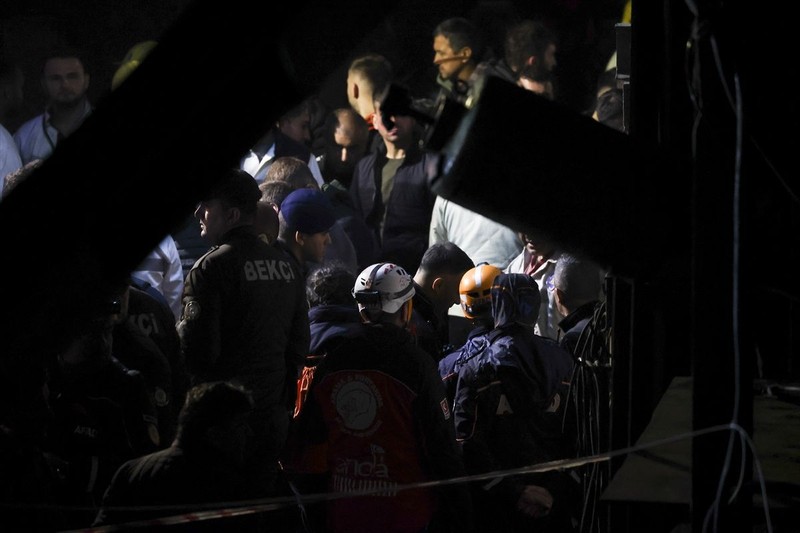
[(476, 290)]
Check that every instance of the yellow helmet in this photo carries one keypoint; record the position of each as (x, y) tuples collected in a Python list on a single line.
[(132, 59)]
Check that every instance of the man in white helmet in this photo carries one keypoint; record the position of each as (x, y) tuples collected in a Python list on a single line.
[(376, 411)]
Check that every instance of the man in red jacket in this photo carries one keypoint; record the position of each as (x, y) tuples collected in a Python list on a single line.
[(376, 419)]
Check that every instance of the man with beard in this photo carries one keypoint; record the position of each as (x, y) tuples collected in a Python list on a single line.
[(65, 81)]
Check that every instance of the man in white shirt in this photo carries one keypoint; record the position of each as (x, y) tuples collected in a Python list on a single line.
[(483, 239), (11, 80), (289, 137), (66, 82), (538, 259)]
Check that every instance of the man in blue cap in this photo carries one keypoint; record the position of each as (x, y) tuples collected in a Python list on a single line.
[(306, 217)]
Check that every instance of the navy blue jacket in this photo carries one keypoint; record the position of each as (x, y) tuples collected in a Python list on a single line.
[(407, 210), (510, 396), (331, 322)]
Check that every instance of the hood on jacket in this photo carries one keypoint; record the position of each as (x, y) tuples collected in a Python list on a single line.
[(515, 300)]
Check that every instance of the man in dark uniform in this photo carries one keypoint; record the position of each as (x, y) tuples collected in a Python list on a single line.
[(509, 402), (145, 339), (102, 413), (475, 291), (245, 318)]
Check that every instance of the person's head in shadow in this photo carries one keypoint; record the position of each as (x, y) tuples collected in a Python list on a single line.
[(213, 420), (230, 204), (306, 217), (346, 143), (458, 47), (331, 285)]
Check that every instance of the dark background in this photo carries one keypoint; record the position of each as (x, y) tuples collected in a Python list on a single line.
[(320, 39), (105, 29), (673, 320)]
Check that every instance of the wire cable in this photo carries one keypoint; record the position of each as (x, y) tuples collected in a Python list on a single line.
[(735, 101), (208, 512)]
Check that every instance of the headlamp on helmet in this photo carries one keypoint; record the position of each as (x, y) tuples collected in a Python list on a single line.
[(382, 288)]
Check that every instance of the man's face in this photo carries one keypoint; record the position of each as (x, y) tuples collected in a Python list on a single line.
[(448, 60), (314, 245), (214, 220), (266, 223), (536, 245), (401, 132), (298, 128), (65, 80), (347, 134), (351, 144), (447, 294)]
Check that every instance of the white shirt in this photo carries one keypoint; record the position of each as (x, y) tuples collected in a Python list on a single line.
[(481, 238), (9, 156), (37, 138), (549, 317), (257, 168), (162, 270)]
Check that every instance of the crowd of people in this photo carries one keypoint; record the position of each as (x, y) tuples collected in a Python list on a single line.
[(322, 323)]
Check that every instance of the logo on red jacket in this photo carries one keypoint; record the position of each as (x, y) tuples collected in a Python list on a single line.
[(358, 403)]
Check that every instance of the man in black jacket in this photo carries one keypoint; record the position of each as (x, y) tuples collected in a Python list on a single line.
[(509, 402), (436, 283), (391, 193), (244, 316), (578, 284), (203, 465)]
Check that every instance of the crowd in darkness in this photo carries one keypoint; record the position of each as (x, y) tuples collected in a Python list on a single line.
[(323, 321), (585, 29)]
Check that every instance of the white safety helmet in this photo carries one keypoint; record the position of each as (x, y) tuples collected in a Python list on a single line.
[(382, 287)]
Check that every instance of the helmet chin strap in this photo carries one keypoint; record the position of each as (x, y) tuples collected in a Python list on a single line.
[(409, 305), (370, 316)]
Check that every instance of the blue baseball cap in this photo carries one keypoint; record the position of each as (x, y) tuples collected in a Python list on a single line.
[(308, 211)]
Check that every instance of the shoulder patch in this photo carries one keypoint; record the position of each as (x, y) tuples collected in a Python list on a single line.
[(192, 310), (205, 255), (160, 397)]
